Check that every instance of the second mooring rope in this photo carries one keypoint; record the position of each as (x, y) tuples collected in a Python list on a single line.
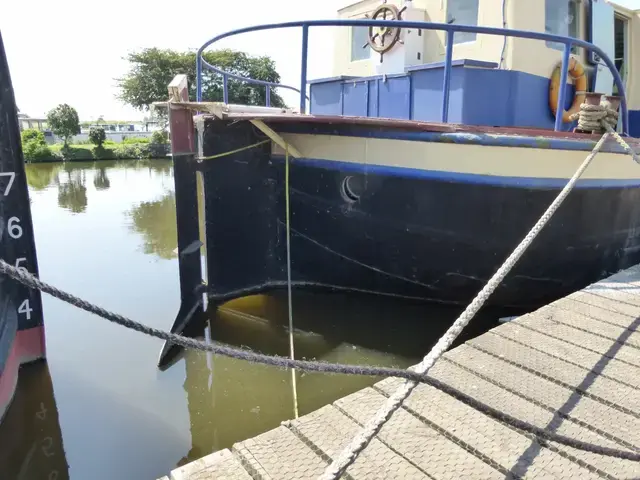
[(413, 376), (289, 294), (349, 454), (31, 281)]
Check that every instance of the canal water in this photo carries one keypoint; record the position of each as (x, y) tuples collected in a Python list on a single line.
[(100, 409)]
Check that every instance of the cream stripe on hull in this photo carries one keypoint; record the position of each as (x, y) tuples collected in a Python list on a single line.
[(496, 161)]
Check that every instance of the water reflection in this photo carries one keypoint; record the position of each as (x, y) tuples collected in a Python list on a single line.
[(119, 416), (331, 327), (72, 192), (43, 175), (156, 222), (101, 180), (31, 446)]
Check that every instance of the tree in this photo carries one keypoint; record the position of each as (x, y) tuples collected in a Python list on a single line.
[(34, 146), (97, 136), (32, 135), (152, 69), (159, 137), (63, 121)]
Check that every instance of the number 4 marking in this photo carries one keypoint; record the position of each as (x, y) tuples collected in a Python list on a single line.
[(24, 308), (42, 414), (11, 176)]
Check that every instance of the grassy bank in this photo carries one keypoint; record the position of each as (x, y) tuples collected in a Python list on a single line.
[(35, 149), (127, 151)]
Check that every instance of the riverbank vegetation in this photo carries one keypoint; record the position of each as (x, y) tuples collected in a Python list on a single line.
[(35, 149), (63, 121)]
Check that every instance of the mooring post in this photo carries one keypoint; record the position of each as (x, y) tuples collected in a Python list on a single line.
[(17, 242), (183, 151)]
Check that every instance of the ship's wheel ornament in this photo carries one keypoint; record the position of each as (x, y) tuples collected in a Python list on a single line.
[(382, 39)]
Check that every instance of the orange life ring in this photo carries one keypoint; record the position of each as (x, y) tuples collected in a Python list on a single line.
[(577, 73)]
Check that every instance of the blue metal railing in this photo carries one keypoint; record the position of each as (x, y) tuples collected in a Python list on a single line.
[(446, 84)]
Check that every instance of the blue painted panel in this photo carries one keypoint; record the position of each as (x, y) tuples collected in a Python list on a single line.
[(634, 123), (394, 97), (488, 97), (479, 96), (326, 98), (531, 102), (427, 95), (373, 98), (355, 99)]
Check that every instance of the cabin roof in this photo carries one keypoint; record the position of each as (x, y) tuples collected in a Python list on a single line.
[(346, 4), (622, 6)]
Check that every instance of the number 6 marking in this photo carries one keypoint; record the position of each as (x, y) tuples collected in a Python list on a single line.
[(46, 448), (11, 176), (15, 231)]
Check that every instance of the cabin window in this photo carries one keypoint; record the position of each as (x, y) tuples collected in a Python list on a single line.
[(561, 18), (620, 31), (462, 12), (359, 38)]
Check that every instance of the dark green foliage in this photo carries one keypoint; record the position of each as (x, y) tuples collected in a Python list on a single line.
[(160, 137), (63, 121), (32, 134), (125, 151), (135, 140), (152, 69), (34, 151), (34, 147), (97, 136)]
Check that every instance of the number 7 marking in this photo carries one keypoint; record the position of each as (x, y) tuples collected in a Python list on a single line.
[(11, 176)]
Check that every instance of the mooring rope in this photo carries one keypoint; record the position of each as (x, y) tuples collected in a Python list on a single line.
[(599, 119), (33, 282), (413, 375), (289, 293), (590, 117), (231, 152), (349, 454)]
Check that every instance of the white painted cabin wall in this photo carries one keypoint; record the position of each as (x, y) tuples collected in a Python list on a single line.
[(633, 76), (530, 56), (485, 47)]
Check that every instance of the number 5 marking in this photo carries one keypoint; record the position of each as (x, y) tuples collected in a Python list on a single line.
[(46, 447), (19, 267), (11, 176)]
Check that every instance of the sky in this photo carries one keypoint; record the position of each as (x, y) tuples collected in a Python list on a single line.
[(71, 51)]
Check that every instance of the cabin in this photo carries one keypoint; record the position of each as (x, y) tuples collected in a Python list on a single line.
[(495, 81)]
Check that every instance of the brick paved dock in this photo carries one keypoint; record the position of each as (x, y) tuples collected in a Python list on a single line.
[(572, 367)]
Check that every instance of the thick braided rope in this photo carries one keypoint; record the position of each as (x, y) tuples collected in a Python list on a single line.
[(602, 118), (31, 281), (590, 117), (621, 141), (362, 439)]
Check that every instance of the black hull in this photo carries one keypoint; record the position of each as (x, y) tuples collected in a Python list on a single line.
[(418, 238)]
